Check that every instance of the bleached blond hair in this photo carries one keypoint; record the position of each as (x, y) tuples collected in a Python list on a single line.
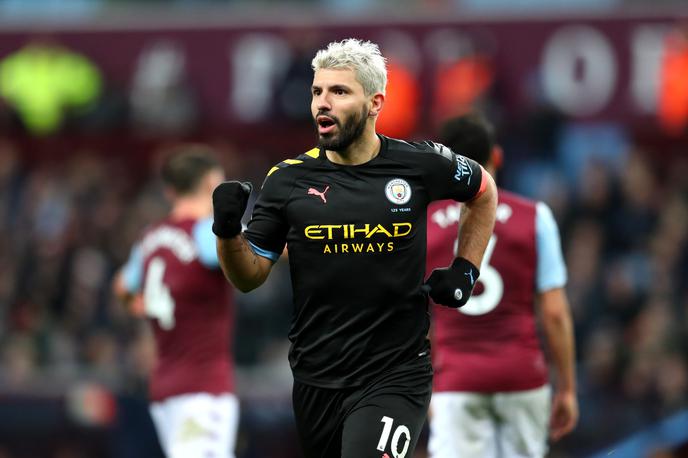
[(363, 57)]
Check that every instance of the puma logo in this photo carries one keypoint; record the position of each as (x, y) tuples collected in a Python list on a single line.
[(469, 274), (315, 192)]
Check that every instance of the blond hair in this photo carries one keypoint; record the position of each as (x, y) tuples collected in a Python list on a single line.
[(363, 57)]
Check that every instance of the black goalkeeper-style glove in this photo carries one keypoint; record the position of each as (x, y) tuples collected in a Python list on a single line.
[(452, 286), (229, 204)]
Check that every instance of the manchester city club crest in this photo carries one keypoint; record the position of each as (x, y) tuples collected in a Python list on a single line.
[(398, 191)]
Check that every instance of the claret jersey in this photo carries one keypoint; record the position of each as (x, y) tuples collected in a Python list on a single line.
[(357, 241), (491, 344), (190, 306)]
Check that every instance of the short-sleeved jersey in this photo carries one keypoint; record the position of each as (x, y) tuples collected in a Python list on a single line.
[(491, 344), (190, 306), (357, 239)]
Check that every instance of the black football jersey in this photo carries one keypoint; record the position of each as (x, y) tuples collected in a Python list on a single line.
[(356, 237)]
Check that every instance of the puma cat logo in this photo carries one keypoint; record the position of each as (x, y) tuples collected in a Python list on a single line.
[(315, 192)]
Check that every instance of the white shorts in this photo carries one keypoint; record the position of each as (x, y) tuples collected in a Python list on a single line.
[(478, 425), (197, 425)]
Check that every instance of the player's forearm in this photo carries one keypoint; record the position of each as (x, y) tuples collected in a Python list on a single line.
[(132, 301), (558, 329), (477, 223), (119, 289), (242, 267)]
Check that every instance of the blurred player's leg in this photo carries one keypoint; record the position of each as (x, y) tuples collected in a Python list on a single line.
[(230, 407), (462, 425), (526, 419), (198, 424), (161, 420)]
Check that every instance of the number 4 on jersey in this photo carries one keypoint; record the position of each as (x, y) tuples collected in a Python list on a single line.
[(492, 283), (156, 295)]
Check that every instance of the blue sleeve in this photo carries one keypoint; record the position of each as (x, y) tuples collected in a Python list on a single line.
[(271, 255), (132, 272), (551, 270), (206, 243)]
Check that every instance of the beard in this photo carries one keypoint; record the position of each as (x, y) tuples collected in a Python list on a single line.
[(349, 132)]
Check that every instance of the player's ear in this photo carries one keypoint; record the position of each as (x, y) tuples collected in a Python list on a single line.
[(211, 180), (377, 101), (497, 157)]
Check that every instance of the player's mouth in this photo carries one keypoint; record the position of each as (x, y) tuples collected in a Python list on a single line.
[(325, 124)]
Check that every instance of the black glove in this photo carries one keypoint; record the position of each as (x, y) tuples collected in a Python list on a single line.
[(452, 286), (229, 204)]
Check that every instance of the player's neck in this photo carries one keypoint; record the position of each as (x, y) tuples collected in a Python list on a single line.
[(363, 150), (191, 207)]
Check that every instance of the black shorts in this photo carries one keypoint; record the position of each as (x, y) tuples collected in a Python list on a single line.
[(381, 419)]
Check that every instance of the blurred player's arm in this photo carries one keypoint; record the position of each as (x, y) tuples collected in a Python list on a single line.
[(119, 290), (558, 329), (126, 283), (556, 322)]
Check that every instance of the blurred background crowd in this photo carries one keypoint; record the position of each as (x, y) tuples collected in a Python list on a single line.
[(590, 100)]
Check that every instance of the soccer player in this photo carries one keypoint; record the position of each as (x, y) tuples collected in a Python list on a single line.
[(190, 306), (491, 396), (353, 213)]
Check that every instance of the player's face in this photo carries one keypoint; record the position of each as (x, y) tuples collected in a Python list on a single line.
[(340, 108)]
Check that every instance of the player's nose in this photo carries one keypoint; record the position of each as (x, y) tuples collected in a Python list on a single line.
[(322, 103)]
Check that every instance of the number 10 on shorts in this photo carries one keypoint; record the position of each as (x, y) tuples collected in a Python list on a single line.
[(398, 432)]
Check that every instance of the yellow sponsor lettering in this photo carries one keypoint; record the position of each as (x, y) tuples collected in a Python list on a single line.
[(347, 248), (378, 228), (352, 231), (330, 228), (398, 226), (313, 232)]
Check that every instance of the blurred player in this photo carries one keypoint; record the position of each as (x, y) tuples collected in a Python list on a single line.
[(491, 396), (190, 306), (353, 212)]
